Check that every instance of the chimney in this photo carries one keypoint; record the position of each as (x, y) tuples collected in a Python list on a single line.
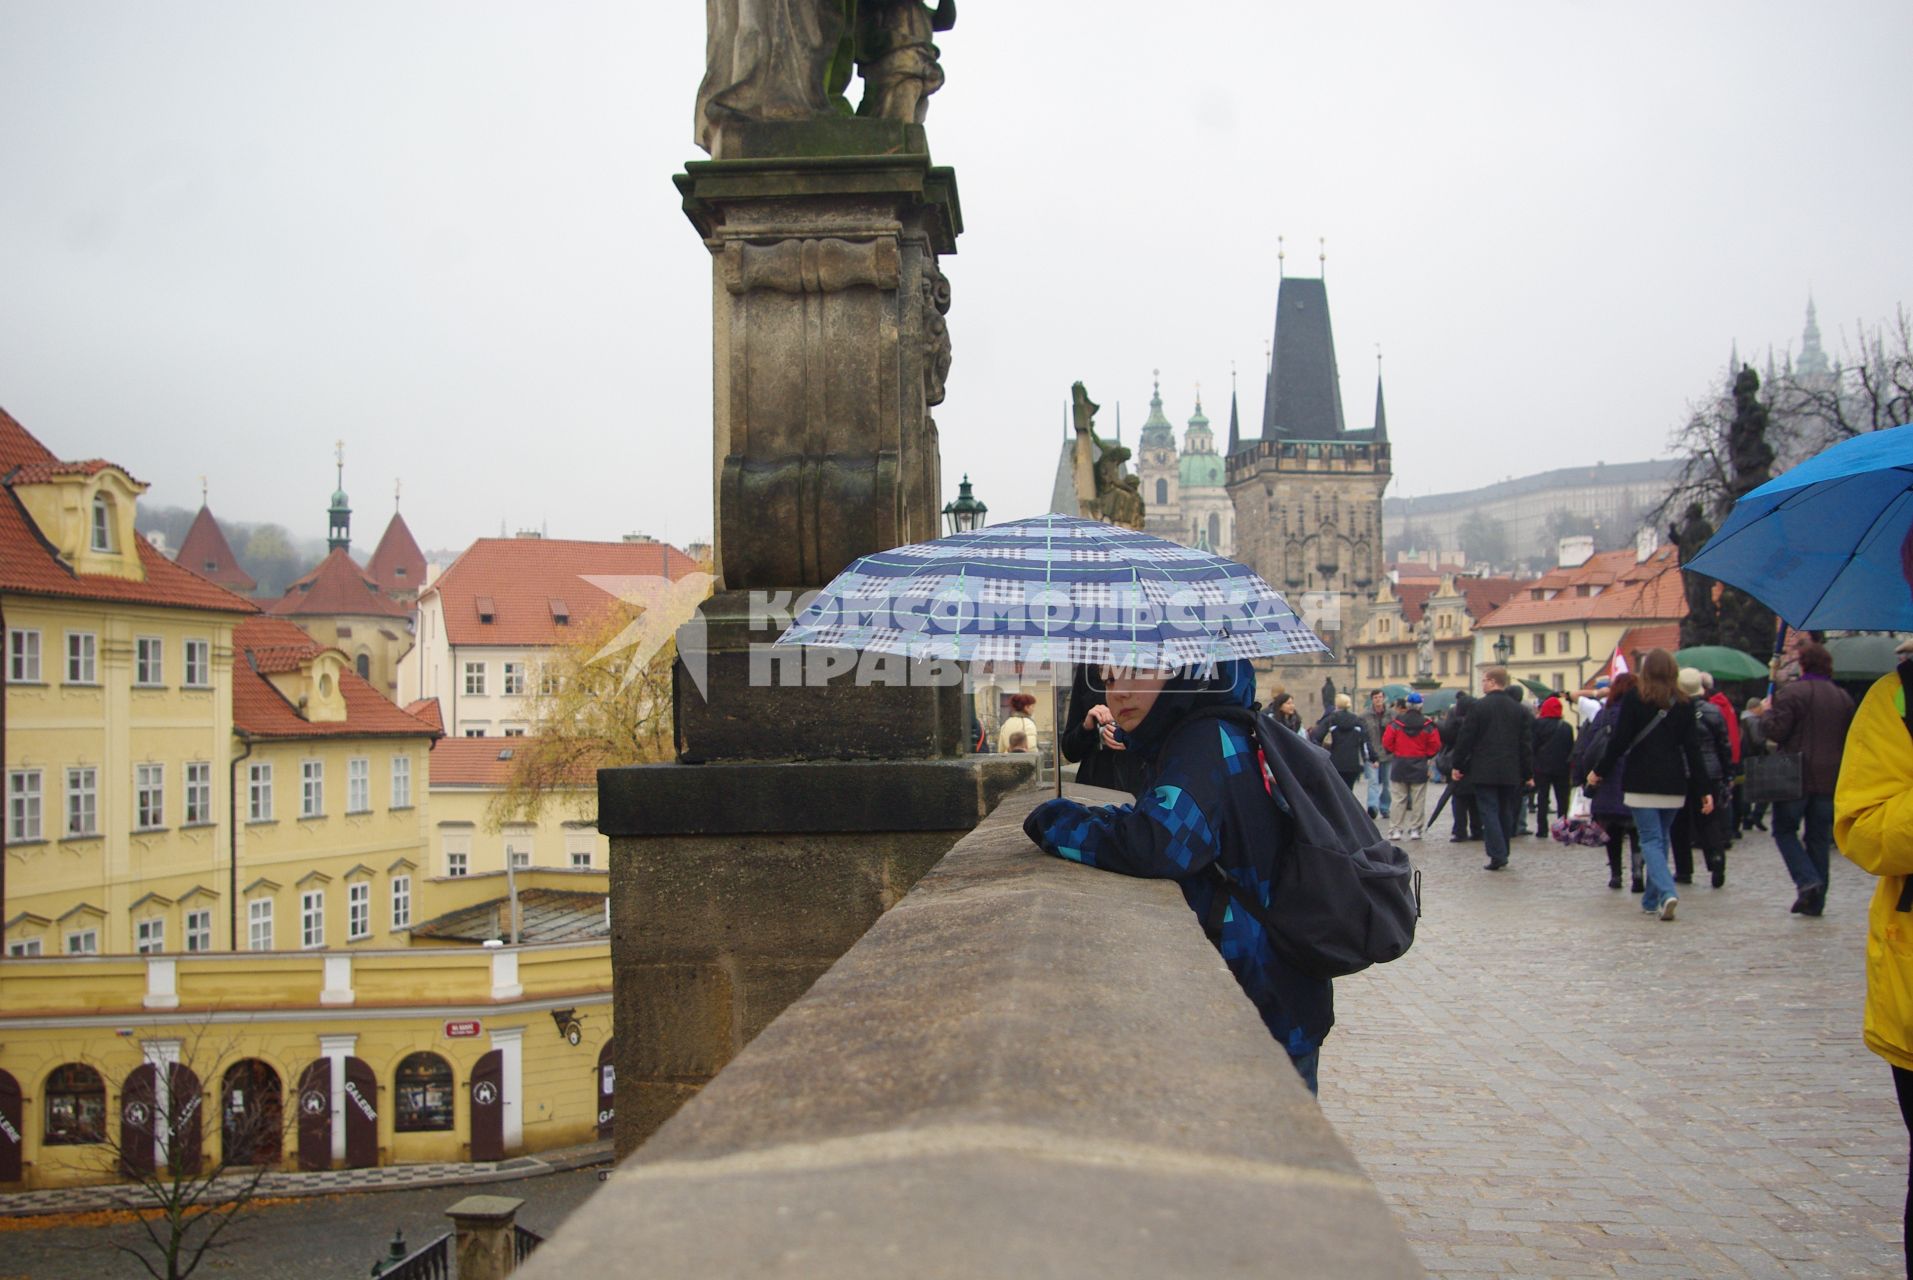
[(1646, 543), (1575, 551)]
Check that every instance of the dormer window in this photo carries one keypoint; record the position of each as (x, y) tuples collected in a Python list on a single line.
[(560, 612), (102, 523), (487, 610)]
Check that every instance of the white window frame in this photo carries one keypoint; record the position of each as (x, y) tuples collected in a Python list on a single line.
[(149, 797), (259, 924), (358, 910), (401, 782), (102, 527), (581, 859), (259, 792), (26, 804), (23, 655), (24, 949), (401, 901), (149, 662), (199, 930), (312, 788), (516, 858), (82, 657), (199, 793), (83, 942), (457, 863), (82, 801), (475, 674), (514, 679), (199, 664), (311, 918), (549, 684), (475, 730), (358, 785), (149, 935)]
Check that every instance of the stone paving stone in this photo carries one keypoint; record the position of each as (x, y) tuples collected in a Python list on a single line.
[(1555, 1076)]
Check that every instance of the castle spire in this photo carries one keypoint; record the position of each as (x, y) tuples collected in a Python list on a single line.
[(1813, 361), (1235, 418)]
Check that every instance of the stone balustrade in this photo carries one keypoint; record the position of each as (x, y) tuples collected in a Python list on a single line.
[(1025, 1067)]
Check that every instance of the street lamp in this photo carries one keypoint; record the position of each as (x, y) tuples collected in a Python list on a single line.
[(1504, 650), (967, 512)]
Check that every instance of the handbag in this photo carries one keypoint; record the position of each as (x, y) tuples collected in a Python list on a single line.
[(1774, 778), (1579, 827)]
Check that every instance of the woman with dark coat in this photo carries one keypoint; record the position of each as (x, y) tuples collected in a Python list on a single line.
[(1282, 710), (1346, 738), (1605, 800), (1553, 745), (1658, 736), (1461, 794), (1092, 741), (1709, 831)]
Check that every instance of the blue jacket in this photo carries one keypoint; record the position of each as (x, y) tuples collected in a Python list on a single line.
[(1203, 800)]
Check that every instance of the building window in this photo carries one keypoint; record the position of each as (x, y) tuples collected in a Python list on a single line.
[(401, 901), (358, 785), (1162, 493), (83, 801), (517, 857), (259, 924), (312, 789), (363, 665), (581, 859), (475, 679), (75, 1106), (199, 792), (102, 522), (23, 804), (474, 731), (149, 660), (312, 918), (199, 664), (24, 949), (422, 1094), (149, 936), (457, 863), (514, 677), (82, 657), (199, 930), (1540, 643), (23, 656), (401, 782), (515, 731), (548, 684), (1560, 642), (1560, 684), (259, 793), (358, 910), (149, 796), (1441, 662), (83, 942)]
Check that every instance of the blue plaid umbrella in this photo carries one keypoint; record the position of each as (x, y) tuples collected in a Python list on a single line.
[(1053, 589)]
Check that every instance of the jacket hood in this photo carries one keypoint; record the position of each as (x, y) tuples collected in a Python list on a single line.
[(1550, 709), (1232, 685)]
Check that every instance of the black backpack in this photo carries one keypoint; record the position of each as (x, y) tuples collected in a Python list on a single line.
[(1342, 897)]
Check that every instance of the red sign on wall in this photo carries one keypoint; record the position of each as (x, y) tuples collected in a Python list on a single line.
[(462, 1029)]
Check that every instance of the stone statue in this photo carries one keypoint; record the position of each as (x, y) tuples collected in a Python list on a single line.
[(1425, 647), (766, 60), (1702, 623), (1328, 693), (1082, 411), (1118, 497), (896, 58)]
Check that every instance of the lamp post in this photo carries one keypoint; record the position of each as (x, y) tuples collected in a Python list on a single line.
[(1504, 650), (967, 512)]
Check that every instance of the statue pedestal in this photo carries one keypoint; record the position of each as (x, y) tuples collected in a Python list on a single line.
[(807, 799)]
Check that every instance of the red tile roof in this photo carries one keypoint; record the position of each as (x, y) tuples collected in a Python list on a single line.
[(29, 565), (427, 709), (1636, 641), (1480, 596), (482, 762), (523, 577), (273, 645), (337, 587), (207, 553), (1649, 590), (397, 550), (41, 472)]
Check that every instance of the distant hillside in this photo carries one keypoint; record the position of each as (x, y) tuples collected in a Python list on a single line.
[(267, 552)]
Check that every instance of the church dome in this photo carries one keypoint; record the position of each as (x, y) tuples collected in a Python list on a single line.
[(1201, 471)]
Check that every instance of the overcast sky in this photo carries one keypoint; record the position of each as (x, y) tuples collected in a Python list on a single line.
[(231, 233)]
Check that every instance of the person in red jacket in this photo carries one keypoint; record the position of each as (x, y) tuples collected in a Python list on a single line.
[(1412, 739)]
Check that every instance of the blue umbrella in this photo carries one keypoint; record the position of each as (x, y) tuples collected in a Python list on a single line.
[(1820, 545), (1053, 589)]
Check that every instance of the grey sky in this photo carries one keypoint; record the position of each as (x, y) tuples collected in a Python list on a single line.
[(231, 233)]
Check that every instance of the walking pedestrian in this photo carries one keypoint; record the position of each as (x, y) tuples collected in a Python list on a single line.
[(1347, 741), (1413, 740), (1467, 820), (1496, 753), (1753, 742), (1809, 718), (1283, 711), (1604, 800), (1656, 733), (1375, 721), (1873, 821), (1692, 827), (1553, 747)]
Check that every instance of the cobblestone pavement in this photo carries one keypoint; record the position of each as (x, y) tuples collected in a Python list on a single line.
[(1554, 1084), (334, 1237)]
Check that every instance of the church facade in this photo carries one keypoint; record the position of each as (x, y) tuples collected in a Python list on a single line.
[(1184, 496)]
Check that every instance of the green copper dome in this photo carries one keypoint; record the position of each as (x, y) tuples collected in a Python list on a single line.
[(1201, 471)]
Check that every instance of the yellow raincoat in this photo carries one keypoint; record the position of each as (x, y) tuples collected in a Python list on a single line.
[(1873, 824)]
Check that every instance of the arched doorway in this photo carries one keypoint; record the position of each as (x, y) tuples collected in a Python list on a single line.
[(607, 1089), (252, 1111)]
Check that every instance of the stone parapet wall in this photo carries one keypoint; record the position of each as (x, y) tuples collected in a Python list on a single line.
[(1025, 1067)]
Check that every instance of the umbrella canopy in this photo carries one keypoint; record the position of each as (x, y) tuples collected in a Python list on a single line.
[(1535, 687), (1820, 545), (1863, 657), (1722, 662), (1053, 589), (1438, 701), (1390, 692)]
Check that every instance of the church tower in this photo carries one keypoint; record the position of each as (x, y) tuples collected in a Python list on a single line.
[(1208, 517), (1156, 465), (1813, 369), (1308, 491), (339, 522)]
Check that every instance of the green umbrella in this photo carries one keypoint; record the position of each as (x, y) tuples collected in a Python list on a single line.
[(1436, 701), (1538, 689), (1722, 662), (1863, 657), (1390, 692)]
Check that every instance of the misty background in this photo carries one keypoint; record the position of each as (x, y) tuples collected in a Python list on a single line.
[(234, 233)]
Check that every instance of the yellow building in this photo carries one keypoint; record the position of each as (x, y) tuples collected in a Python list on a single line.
[(119, 725), (1413, 622), (467, 775)]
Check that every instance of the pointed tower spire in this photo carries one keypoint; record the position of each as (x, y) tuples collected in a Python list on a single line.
[(1733, 360), (339, 527), (1235, 418), (1157, 433), (1381, 414), (1813, 359)]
